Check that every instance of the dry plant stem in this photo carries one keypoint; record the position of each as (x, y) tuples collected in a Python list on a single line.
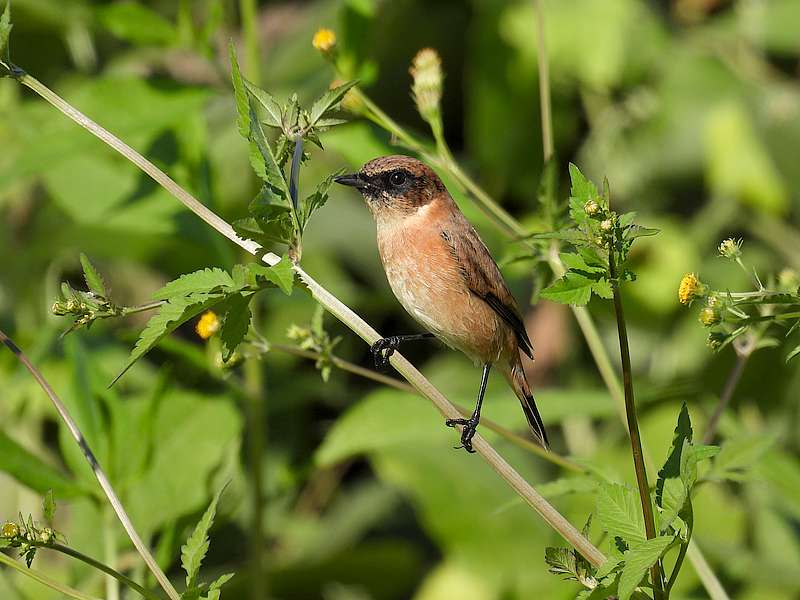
[(706, 573), (505, 433), (633, 423), (102, 479), (338, 309), (65, 590), (742, 356)]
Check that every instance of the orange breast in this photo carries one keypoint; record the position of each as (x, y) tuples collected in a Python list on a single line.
[(427, 281)]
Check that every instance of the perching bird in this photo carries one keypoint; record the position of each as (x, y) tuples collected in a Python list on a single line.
[(443, 275)]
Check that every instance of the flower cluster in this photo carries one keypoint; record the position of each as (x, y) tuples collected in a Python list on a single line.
[(426, 69)]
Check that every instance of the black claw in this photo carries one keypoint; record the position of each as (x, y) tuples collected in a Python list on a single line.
[(470, 428), (382, 350)]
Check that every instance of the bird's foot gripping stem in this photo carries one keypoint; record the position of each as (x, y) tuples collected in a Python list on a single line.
[(383, 349), (470, 428)]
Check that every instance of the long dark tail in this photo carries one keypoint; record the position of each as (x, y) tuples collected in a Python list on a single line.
[(516, 378)]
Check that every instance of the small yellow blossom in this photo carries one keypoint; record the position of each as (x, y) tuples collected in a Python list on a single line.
[(324, 39), (690, 288), (10, 530), (208, 325), (426, 69), (606, 225)]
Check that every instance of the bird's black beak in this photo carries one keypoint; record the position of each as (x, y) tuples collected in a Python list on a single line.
[(355, 180)]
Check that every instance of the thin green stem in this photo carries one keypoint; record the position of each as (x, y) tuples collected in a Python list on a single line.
[(342, 312), (633, 423), (544, 85), (110, 547), (110, 571), (676, 568), (132, 310), (742, 356), (248, 12), (44, 579)]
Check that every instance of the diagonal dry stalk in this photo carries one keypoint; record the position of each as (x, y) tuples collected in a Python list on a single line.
[(337, 308), (101, 476)]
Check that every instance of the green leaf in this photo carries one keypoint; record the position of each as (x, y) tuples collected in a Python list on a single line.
[(240, 94), (272, 110), (204, 281), (572, 288), (637, 231), (671, 489), (582, 189), (318, 198), (32, 472), (49, 507), (603, 289), (5, 33), (169, 317), (738, 455), (577, 262), (235, 323), (196, 547), (93, 278), (135, 22), (620, 512), (561, 561), (638, 560), (281, 274), (328, 100)]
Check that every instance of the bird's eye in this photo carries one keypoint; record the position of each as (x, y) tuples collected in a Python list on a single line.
[(397, 178)]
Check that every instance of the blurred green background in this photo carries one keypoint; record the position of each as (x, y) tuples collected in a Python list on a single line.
[(691, 108)]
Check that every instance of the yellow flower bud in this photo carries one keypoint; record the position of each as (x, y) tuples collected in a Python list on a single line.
[(208, 325), (690, 288), (606, 225), (709, 316), (324, 40), (426, 69), (591, 208), (10, 530)]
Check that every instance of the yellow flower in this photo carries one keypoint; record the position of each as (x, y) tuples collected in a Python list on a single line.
[(324, 39), (208, 325), (690, 288), (426, 69), (730, 248), (10, 530)]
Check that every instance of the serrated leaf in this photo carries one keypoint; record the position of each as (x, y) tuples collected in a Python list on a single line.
[(272, 110), (620, 513), (169, 317), (93, 278), (671, 489), (49, 507), (235, 323), (638, 560), (204, 281), (281, 274), (572, 288), (240, 94), (318, 198), (568, 235), (637, 231), (328, 100), (560, 560), (196, 547), (603, 289), (582, 189)]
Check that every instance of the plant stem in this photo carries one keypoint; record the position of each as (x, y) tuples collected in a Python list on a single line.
[(706, 573), (742, 356), (44, 579), (503, 432), (544, 85), (144, 593), (102, 479), (633, 423), (112, 583)]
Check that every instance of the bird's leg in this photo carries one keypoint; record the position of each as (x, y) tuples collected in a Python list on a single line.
[(385, 347), (471, 424)]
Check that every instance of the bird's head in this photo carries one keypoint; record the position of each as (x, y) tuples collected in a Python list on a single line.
[(395, 185)]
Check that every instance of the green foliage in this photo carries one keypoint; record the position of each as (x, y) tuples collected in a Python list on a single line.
[(593, 230), (194, 551), (5, 33), (317, 339)]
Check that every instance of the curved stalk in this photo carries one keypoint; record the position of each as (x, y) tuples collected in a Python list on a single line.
[(45, 580)]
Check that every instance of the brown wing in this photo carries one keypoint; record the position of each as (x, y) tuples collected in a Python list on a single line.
[(482, 276)]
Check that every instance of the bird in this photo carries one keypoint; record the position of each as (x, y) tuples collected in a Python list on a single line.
[(443, 275)]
